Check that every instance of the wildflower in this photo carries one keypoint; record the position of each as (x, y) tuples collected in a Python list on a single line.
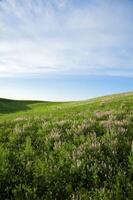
[(103, 114)]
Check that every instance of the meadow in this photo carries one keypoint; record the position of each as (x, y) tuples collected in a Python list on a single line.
[(67, 150)]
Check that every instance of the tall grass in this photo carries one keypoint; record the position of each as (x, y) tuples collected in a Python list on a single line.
[(74, 151)]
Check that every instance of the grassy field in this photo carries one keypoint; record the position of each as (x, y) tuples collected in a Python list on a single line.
[(73, 150)]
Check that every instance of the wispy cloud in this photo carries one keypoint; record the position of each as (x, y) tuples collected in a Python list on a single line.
[(66, 36)]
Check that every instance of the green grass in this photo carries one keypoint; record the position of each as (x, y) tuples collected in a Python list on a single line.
[(67, 150)]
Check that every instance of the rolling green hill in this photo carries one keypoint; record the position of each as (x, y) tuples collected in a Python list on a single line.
[(67, 150)]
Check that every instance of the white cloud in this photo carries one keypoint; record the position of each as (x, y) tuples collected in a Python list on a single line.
[(39, 36)]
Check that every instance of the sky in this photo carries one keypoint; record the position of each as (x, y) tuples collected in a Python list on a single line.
[(65, 49)]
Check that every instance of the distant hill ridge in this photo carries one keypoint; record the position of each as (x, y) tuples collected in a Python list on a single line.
[(11, 106)]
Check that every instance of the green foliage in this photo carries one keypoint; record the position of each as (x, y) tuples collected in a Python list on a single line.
[(74, 150)]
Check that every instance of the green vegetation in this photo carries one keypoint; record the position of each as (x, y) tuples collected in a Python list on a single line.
[(74, 150)]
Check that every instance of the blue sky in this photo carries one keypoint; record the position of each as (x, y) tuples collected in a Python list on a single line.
[(65, 49), (66, 87)]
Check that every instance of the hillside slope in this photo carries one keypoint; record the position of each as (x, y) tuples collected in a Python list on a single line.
[(73, 150), (11, 106)]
